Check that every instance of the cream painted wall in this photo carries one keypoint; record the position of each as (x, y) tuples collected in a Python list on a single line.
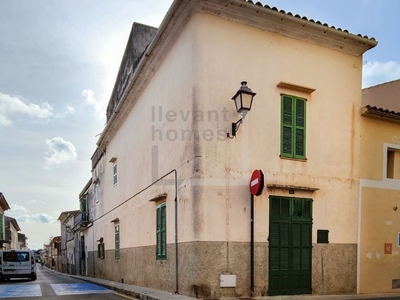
[(264, 59), (148, 128), (14, 237), (198, 76), (379, 203), (375, 134), (380, 224)]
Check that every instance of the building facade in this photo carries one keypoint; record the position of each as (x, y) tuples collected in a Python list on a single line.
[(379, 223), (11, 232), (169, 203), (67, 247), (3, 207)]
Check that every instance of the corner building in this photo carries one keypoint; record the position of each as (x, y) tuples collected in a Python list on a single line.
[(170, 201)]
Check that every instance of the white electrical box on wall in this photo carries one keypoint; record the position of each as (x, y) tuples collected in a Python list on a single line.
[(227, 280)]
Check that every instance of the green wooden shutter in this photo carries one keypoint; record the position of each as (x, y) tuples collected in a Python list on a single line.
[(300, 125), (158, 242), (85, 216), (117, 241), (293, 127), (100, 250), (1, 227), (163, 231), (161, 243), (287, 127)]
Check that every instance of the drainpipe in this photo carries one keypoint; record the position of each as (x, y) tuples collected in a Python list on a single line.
[(252, 246), (176, 232)]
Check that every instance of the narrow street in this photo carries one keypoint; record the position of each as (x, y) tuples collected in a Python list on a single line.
[(50, 285)]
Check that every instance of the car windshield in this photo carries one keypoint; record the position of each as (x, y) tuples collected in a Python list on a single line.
[(16, 256)]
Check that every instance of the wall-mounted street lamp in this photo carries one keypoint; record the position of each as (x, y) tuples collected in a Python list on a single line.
[(243, 100), (68, 228)]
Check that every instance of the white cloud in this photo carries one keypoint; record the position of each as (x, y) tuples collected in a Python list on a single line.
[(35, 201), (377, 72), (69, 109), (59, 151), (41, 218), (13, 105), (16, 210), (99, 106), (22, 219)]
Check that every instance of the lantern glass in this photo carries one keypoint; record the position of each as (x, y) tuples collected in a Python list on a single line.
[(238, 102), (247, 99)]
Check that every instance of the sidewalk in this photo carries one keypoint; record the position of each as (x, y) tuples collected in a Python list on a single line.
[(134, 290), (153, 294)]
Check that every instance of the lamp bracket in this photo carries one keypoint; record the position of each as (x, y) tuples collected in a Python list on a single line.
[(235, 128)]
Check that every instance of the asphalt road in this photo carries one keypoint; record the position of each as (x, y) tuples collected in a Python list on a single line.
[(50, 285)]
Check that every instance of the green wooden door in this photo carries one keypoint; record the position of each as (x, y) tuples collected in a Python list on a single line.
[(290, 246)]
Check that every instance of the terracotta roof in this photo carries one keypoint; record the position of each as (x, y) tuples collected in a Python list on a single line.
[(3, 202), (66, 214), (377, 112), (55, 239), (304, 18), (14, 222)]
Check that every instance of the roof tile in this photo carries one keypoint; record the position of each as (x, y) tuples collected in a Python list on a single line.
[(305, 18)]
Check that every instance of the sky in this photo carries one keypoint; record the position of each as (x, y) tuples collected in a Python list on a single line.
[(58, 65)]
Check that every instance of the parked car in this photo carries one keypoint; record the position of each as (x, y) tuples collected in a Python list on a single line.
[(17, 264)]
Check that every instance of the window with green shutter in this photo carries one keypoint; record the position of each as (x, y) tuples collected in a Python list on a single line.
[(100, 250), (161, 244), (1, 227), (117, 241), (84, 210), (293, 127)]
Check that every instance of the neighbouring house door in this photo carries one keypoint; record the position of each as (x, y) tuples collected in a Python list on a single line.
[(290, 246), (83, 256)]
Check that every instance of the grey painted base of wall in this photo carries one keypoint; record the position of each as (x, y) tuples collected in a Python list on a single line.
[(201, 264), (334, 269)]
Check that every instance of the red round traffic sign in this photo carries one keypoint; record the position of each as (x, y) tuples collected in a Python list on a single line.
[(257, 183)]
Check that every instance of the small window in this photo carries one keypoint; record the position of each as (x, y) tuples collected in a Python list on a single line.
[(293, 127), (161, 243), (117, 241), (100, 250), (1, 227), (84, 210), (115, 173), (393, 163)]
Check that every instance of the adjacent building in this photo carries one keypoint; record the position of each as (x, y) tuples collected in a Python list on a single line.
[(51, 255), (11, 232), (3, 207), (67, 243), (379, 196), (168, 205)]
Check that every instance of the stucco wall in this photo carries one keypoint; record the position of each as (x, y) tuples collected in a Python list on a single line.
[(333, 128), (380, 225), (379, 214), (180, 122)]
